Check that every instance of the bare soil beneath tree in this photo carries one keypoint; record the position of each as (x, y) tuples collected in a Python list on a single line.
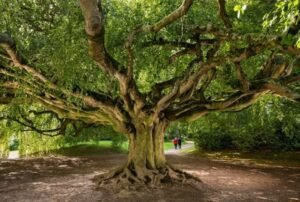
[(70, 179)]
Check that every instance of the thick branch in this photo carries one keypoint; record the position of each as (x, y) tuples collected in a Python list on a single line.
[(192, 110), (94, 26), (223, 13), (169, 19), (242, 77), (38, 83), (29, 126), (191, 79), (282, 91)]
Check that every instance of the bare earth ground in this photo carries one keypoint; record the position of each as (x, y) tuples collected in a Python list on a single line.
[(69, 179)]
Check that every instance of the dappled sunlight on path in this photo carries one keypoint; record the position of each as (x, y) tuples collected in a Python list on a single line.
[(69, 179), (237, 182)]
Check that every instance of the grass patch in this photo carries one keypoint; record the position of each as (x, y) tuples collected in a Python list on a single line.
[(83, 150), (124, 146), (92, 148), (168, 145)]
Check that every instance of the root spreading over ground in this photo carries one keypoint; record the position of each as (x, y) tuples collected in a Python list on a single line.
[(126, 177)]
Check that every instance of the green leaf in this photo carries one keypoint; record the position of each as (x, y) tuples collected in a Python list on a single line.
[(237, 8), (298, 43)]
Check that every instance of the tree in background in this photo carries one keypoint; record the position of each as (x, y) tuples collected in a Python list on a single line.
[(270, 124), (44, 134), (152, 63)]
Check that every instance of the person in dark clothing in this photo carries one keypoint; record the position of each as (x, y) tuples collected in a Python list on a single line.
[(179, 142)]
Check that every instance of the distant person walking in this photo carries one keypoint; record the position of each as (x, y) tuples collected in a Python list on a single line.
[(179, 142), (175, 142)]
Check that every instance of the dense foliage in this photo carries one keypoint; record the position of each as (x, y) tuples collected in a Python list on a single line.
[(17, 133), (15, 137), (271, 124)]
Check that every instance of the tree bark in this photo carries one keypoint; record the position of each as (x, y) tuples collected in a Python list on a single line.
[(146, 147)]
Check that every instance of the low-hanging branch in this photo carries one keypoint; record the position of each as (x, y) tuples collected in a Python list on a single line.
[(39, 83), (30, 126)]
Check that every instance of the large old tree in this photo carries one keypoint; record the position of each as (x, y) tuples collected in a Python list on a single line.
[(150, 63)]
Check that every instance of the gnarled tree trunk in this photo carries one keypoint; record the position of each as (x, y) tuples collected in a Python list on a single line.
[(146, 150), (146, 163)]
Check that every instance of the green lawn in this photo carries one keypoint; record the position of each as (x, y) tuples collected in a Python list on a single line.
[(168, 145), (107, 144), (95, 148)]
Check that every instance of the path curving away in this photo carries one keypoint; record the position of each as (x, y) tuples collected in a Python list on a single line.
[(188, 145)]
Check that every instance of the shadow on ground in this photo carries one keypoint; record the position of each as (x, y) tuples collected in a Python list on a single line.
[(69, 179)]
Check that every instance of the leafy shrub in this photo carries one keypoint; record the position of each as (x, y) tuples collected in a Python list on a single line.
[(271, 124), (212, 141), (13, 144)]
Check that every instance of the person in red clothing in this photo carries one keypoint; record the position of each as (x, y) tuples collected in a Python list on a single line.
[(175, 142)]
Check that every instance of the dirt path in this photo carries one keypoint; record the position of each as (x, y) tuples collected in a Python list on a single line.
[(69, 179), (243, 183)]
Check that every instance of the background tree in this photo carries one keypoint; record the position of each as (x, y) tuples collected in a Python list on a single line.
[(152, 64), (272, 124)]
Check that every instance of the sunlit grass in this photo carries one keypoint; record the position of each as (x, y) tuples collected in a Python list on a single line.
[(92, 148), (124, 146), (168, 145)]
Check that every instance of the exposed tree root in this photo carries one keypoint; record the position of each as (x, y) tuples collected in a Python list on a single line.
[(143, 178)]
